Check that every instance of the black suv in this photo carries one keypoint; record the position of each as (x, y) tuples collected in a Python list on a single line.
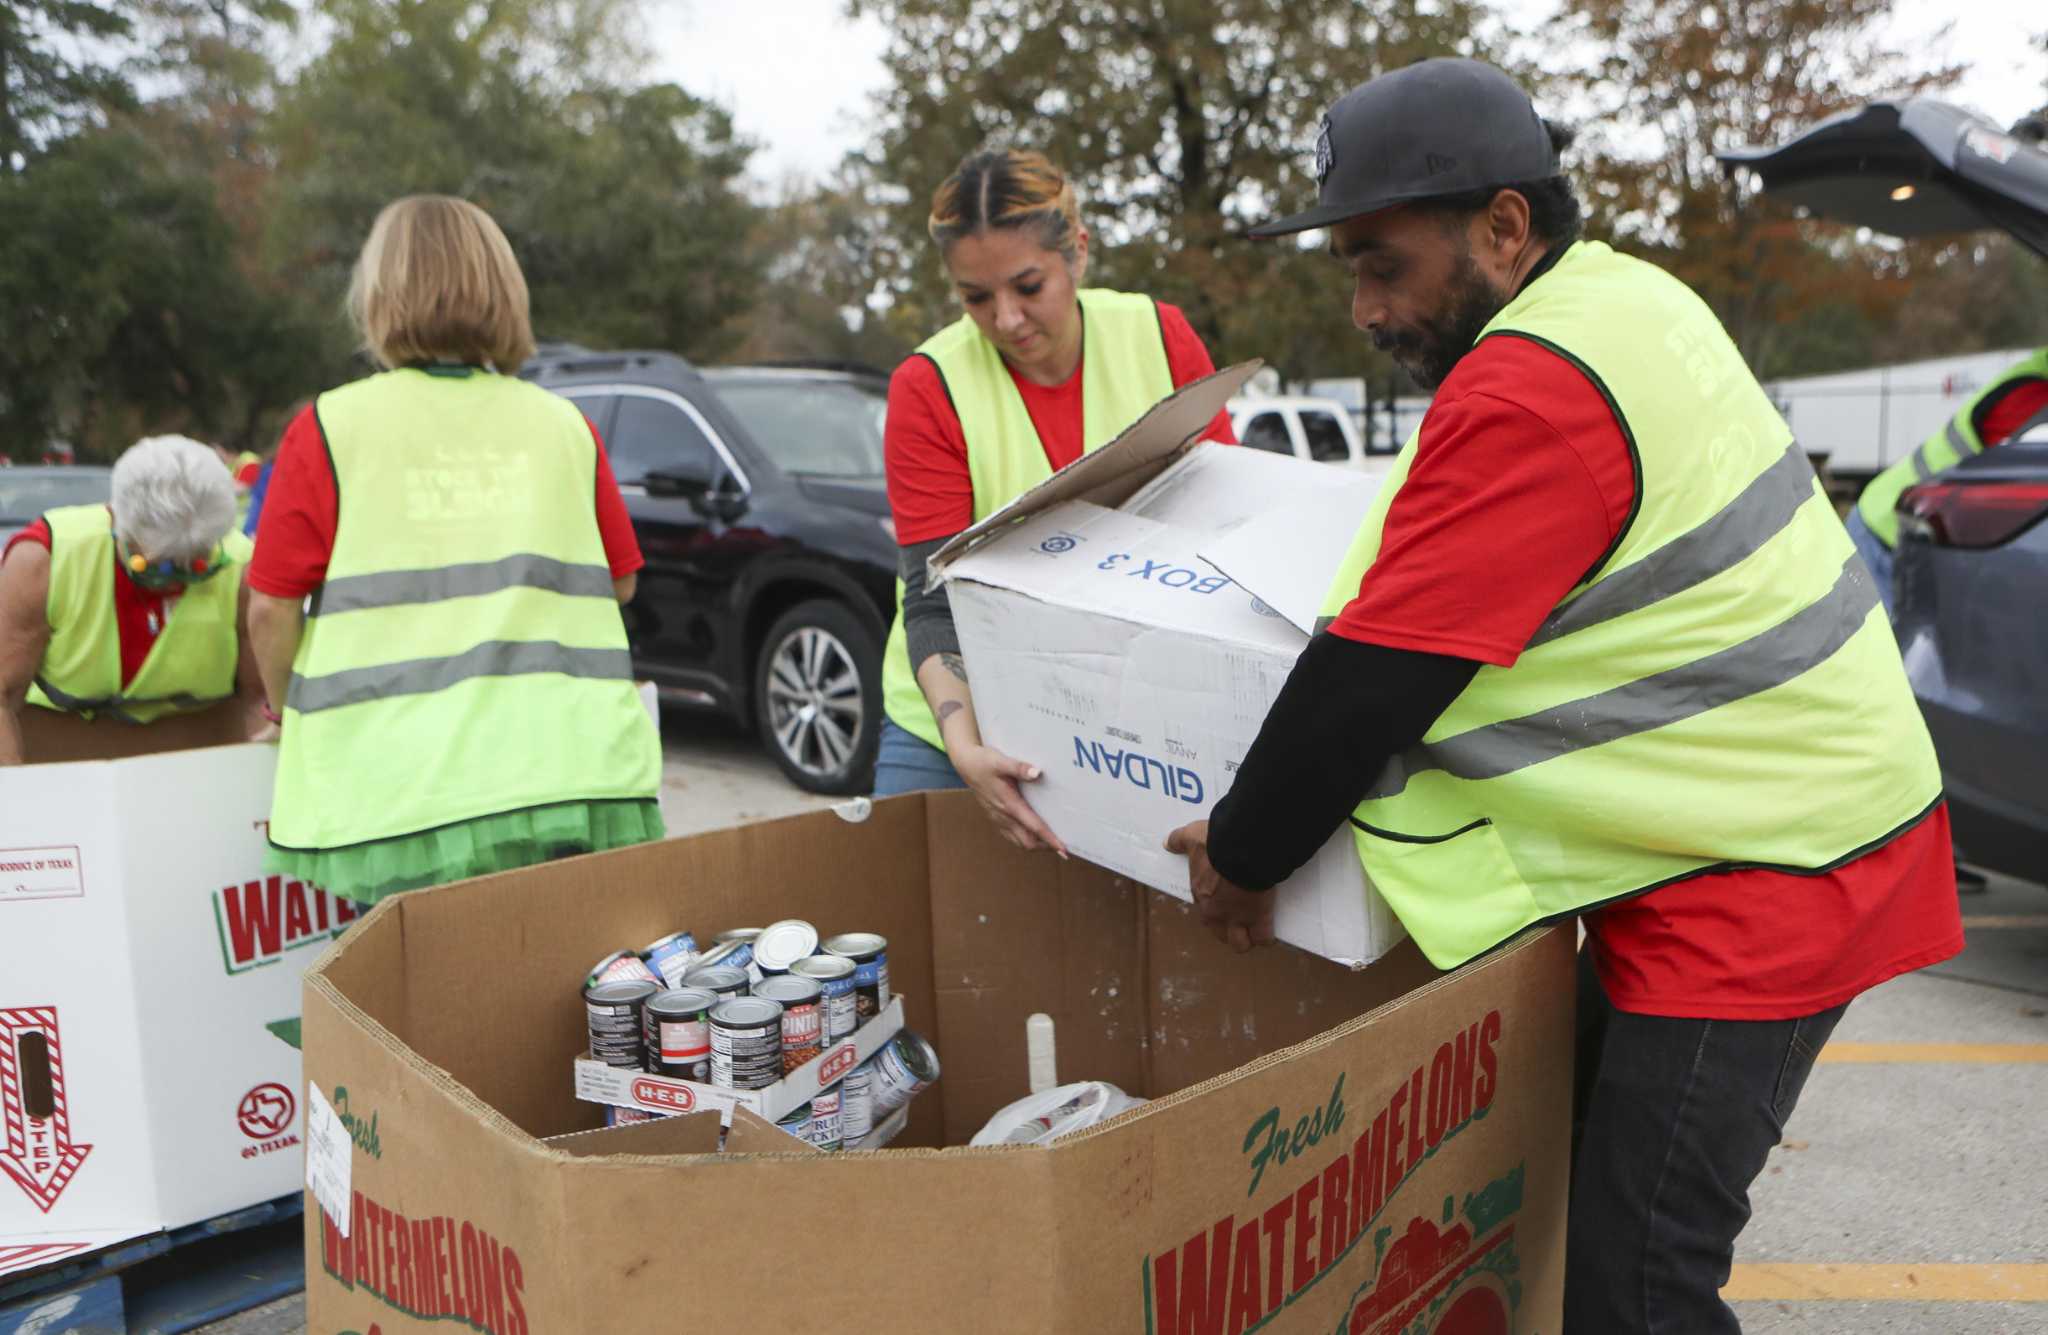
[(758, 498)]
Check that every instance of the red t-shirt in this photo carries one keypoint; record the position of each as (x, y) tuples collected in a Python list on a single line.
[(139, 614), (295, 534), (931, 494), (1522, 467), (2011, 410)]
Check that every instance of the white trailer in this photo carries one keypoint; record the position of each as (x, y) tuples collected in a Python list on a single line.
[(1860, 422)]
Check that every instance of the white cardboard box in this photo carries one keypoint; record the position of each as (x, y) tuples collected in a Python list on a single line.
[(1127, 625), (143, 952)]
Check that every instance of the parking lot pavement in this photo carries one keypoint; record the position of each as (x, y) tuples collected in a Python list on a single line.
[(1911, 1191), (1910, 1196)]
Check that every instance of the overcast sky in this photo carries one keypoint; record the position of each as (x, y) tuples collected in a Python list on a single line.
[(798, 75)]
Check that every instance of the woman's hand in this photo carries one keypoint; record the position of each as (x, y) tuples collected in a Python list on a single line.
[(996, 781)]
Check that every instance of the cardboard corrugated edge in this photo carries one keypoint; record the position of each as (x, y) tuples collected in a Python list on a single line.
[(1112, 474)]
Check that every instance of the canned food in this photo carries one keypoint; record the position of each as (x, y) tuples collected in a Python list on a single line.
[(679, 1033), (797, 1122), (621, 966), (904, 1068), (856, 1103), (618, 1027), (746, 934), (870, 956), (826, 1127), (834, 977), (746, 1043), (730, 955), (803, 1018), (672, 957), (616, 1116), (782, 944), (718, 980)]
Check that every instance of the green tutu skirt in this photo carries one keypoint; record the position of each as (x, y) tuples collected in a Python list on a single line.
[(368, 872)]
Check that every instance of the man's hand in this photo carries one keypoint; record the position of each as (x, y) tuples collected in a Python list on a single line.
[(1240, 918)]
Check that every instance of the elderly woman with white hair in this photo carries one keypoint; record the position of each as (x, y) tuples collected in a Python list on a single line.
[(130, 610)]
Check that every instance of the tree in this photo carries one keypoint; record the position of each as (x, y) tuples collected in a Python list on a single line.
[(1182, 121), (619, 200), (1673, 80), (44, 90)]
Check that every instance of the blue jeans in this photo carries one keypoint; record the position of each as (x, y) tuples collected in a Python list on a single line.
[(907, 763), (1672, 1121), (1875, 555)]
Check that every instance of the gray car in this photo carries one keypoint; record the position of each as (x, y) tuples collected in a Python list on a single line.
[(1971, 568), (25, 493)]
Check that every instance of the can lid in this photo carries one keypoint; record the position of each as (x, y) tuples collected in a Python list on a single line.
[(919, 1057), (782, 944), (856, 945), (682, 1001), (713, 977), (746, 1012), (619, 992), (724, 950), (737, 934), (788, 988), (822, 966)]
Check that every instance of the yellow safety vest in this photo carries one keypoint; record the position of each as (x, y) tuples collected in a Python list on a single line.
[(1956, 441), (192, 663), (465, 656), (1123, 373), (1723, 692)]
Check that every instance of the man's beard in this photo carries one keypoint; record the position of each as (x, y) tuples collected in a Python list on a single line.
[(1429, 350)]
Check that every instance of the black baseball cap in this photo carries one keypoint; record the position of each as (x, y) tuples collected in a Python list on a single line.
[(1437, 127)]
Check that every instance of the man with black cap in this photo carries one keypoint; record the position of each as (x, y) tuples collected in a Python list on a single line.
[(1601, 650)]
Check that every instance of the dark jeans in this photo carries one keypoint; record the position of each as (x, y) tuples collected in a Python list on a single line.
[(1673, 1121)]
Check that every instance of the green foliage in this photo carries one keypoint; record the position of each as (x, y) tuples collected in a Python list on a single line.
[(46, 89)]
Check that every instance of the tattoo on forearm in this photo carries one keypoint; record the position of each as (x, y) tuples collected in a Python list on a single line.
[(948, 709), (954, 664)]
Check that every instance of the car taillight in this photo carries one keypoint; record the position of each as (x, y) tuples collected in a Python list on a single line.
[(1973, 514)]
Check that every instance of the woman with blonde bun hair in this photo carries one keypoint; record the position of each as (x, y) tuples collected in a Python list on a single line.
[(439, 566), (1037, 371)]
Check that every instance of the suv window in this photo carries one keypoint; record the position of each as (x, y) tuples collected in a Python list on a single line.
[(1268, 431), (823, 428), (1326, 443), (650, 434)]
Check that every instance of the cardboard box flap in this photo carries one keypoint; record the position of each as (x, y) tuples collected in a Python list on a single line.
[(1111, 475), (1286, 558), (750, 1134), (695, 1133)]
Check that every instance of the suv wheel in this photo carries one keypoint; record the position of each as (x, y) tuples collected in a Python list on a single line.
[(818, 697)]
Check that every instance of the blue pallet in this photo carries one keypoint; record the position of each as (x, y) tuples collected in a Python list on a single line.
[(167, 1282)]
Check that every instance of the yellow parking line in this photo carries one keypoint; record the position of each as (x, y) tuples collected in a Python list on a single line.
[(1975, 1054), (1787, 1281), (1984, 920)]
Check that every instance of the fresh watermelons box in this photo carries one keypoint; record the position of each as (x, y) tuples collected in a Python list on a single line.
[(1323, 1149), (145, 957)]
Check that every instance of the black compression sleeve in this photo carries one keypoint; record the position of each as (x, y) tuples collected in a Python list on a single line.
[(1346, 709)]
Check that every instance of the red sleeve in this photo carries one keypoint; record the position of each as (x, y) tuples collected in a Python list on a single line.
[(2012, 410), (37, 533), (931, 493), (1188, 359), (614, 525), (295, 535), (1520, 483), (249, 473)]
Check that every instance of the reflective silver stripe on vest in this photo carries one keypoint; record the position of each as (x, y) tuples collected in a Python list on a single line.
[(419, 676), (113, 705), (1960, 442), (1781, 654), (1921, 472), (1734, 533), (399, 588)]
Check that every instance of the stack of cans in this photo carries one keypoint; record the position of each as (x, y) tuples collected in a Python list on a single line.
[(752, 1007)]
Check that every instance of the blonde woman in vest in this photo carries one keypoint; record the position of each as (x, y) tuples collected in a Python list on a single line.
[(436, 588), (1036, 372), (129, 610)]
